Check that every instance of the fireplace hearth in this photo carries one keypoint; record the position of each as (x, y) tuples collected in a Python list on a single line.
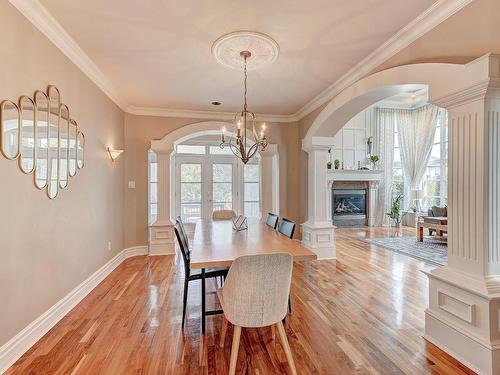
[(349, 207)]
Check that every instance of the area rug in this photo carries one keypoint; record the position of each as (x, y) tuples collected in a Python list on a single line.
[(431, 250)]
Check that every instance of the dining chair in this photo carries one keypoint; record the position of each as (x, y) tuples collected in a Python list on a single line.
[(287, 227), (255, 295), (189, 275), (223, 214), (272, 220)]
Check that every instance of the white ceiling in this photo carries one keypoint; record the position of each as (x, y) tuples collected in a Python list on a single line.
[(157, 52)]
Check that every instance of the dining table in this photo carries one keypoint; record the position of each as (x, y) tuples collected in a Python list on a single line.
[(217, 244)]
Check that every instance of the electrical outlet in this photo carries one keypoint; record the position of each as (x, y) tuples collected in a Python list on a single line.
[(109, 245)]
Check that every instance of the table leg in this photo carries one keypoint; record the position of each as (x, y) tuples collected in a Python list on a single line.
[(420, 233), (203, 307)]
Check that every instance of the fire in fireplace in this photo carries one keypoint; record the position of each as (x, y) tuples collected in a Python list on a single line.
[(349, 206)]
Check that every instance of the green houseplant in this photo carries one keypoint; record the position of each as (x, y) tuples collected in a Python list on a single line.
[(396, 214), (337, 163), (374, 159)]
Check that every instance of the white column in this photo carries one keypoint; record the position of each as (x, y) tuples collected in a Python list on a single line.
[(318, 231), (161, 232), (270, 180), (463, 317), (372, 203)]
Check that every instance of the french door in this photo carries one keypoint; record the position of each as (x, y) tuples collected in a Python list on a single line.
[(204, 185)]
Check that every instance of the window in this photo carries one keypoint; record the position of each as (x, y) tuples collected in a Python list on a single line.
[(217, 150), (397, 178), (190, 192), (191, 149), (435, 179), (153, 189), (222, 186), (251, 199)]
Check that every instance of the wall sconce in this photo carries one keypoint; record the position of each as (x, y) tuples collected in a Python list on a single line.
[(113, 154)]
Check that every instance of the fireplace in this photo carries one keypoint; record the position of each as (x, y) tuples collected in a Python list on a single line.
[(349, 207)]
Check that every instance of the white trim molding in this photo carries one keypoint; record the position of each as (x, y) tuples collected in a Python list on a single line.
[(41, 18), (13, 349), (38, 15)]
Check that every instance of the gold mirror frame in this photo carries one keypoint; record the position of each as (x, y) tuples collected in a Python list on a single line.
[(22, 109), (40, 116), (55, 137), (63, 167), (72, 171), (78, 164), (53, 155), (3, 104)]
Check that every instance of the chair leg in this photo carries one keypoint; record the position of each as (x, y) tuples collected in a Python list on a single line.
[(223, 331), (184, 301), (289, 305), (234, 349), (286, 347)]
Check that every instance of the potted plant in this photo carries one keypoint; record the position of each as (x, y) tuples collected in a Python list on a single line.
[(374, 159), (396, 214), (337, 163), (329, 165)]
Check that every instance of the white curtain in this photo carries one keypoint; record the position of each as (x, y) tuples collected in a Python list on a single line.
[(384, 146), (416, 129)]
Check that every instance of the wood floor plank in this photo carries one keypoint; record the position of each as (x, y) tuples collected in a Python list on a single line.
[(362, 314)]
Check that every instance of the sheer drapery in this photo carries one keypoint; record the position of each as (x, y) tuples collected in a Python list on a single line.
[(385, 147), (416, 129)]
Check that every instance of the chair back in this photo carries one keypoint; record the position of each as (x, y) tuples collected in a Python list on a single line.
[(223, 214), (287, 227), (272, 220), (183, 244), (256, 289)]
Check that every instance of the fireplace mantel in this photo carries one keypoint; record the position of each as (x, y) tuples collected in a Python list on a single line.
[(354, 175)]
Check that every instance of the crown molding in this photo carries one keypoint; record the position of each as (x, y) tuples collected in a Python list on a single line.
[(426, 21), (36, 13), (205, 115), (40, 17)]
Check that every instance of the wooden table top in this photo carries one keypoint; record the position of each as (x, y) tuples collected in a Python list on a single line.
[(216, 244)]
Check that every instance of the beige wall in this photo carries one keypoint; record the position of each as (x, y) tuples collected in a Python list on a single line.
[(140, 130), (49, 247)]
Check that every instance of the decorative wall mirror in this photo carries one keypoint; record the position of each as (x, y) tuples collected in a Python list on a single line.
[(81, 150), (73, 131), (28, 134), (9, 129), (42, 139), (53, 160), (63, 145), (40, 133)]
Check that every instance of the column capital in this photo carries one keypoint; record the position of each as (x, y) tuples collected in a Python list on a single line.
[(317, 143)]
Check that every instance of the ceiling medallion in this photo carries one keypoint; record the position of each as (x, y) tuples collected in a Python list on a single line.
[(264, 50)]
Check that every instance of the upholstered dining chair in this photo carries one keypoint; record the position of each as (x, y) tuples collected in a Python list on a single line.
[(287, 227), (255, 295), (223, 214), (189, 275), (272, 220)]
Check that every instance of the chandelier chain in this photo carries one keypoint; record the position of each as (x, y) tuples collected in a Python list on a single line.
[(245, 106)]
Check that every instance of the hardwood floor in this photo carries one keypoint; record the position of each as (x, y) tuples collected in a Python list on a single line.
[(363, 314)]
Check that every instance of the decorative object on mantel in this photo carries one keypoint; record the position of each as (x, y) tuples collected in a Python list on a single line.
[(255, 50), (337, 163), (240, 223), (40, 133), (374, 159), (113, 154), (369, 143), (329, 165)]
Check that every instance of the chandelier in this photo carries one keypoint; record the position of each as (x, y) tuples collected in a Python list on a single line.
[(243, 120)]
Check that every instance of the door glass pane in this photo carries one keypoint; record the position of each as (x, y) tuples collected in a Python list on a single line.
[(222, 186), (190, 193), (251, 194)]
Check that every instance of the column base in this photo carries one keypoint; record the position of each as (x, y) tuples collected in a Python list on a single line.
[(320, 238), (463, 319), (161, 239)]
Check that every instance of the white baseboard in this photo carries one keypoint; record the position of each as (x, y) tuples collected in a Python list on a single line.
[(13, 349)]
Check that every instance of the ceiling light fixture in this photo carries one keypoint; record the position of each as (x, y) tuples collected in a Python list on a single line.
[(242, 120), (216, 103)]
